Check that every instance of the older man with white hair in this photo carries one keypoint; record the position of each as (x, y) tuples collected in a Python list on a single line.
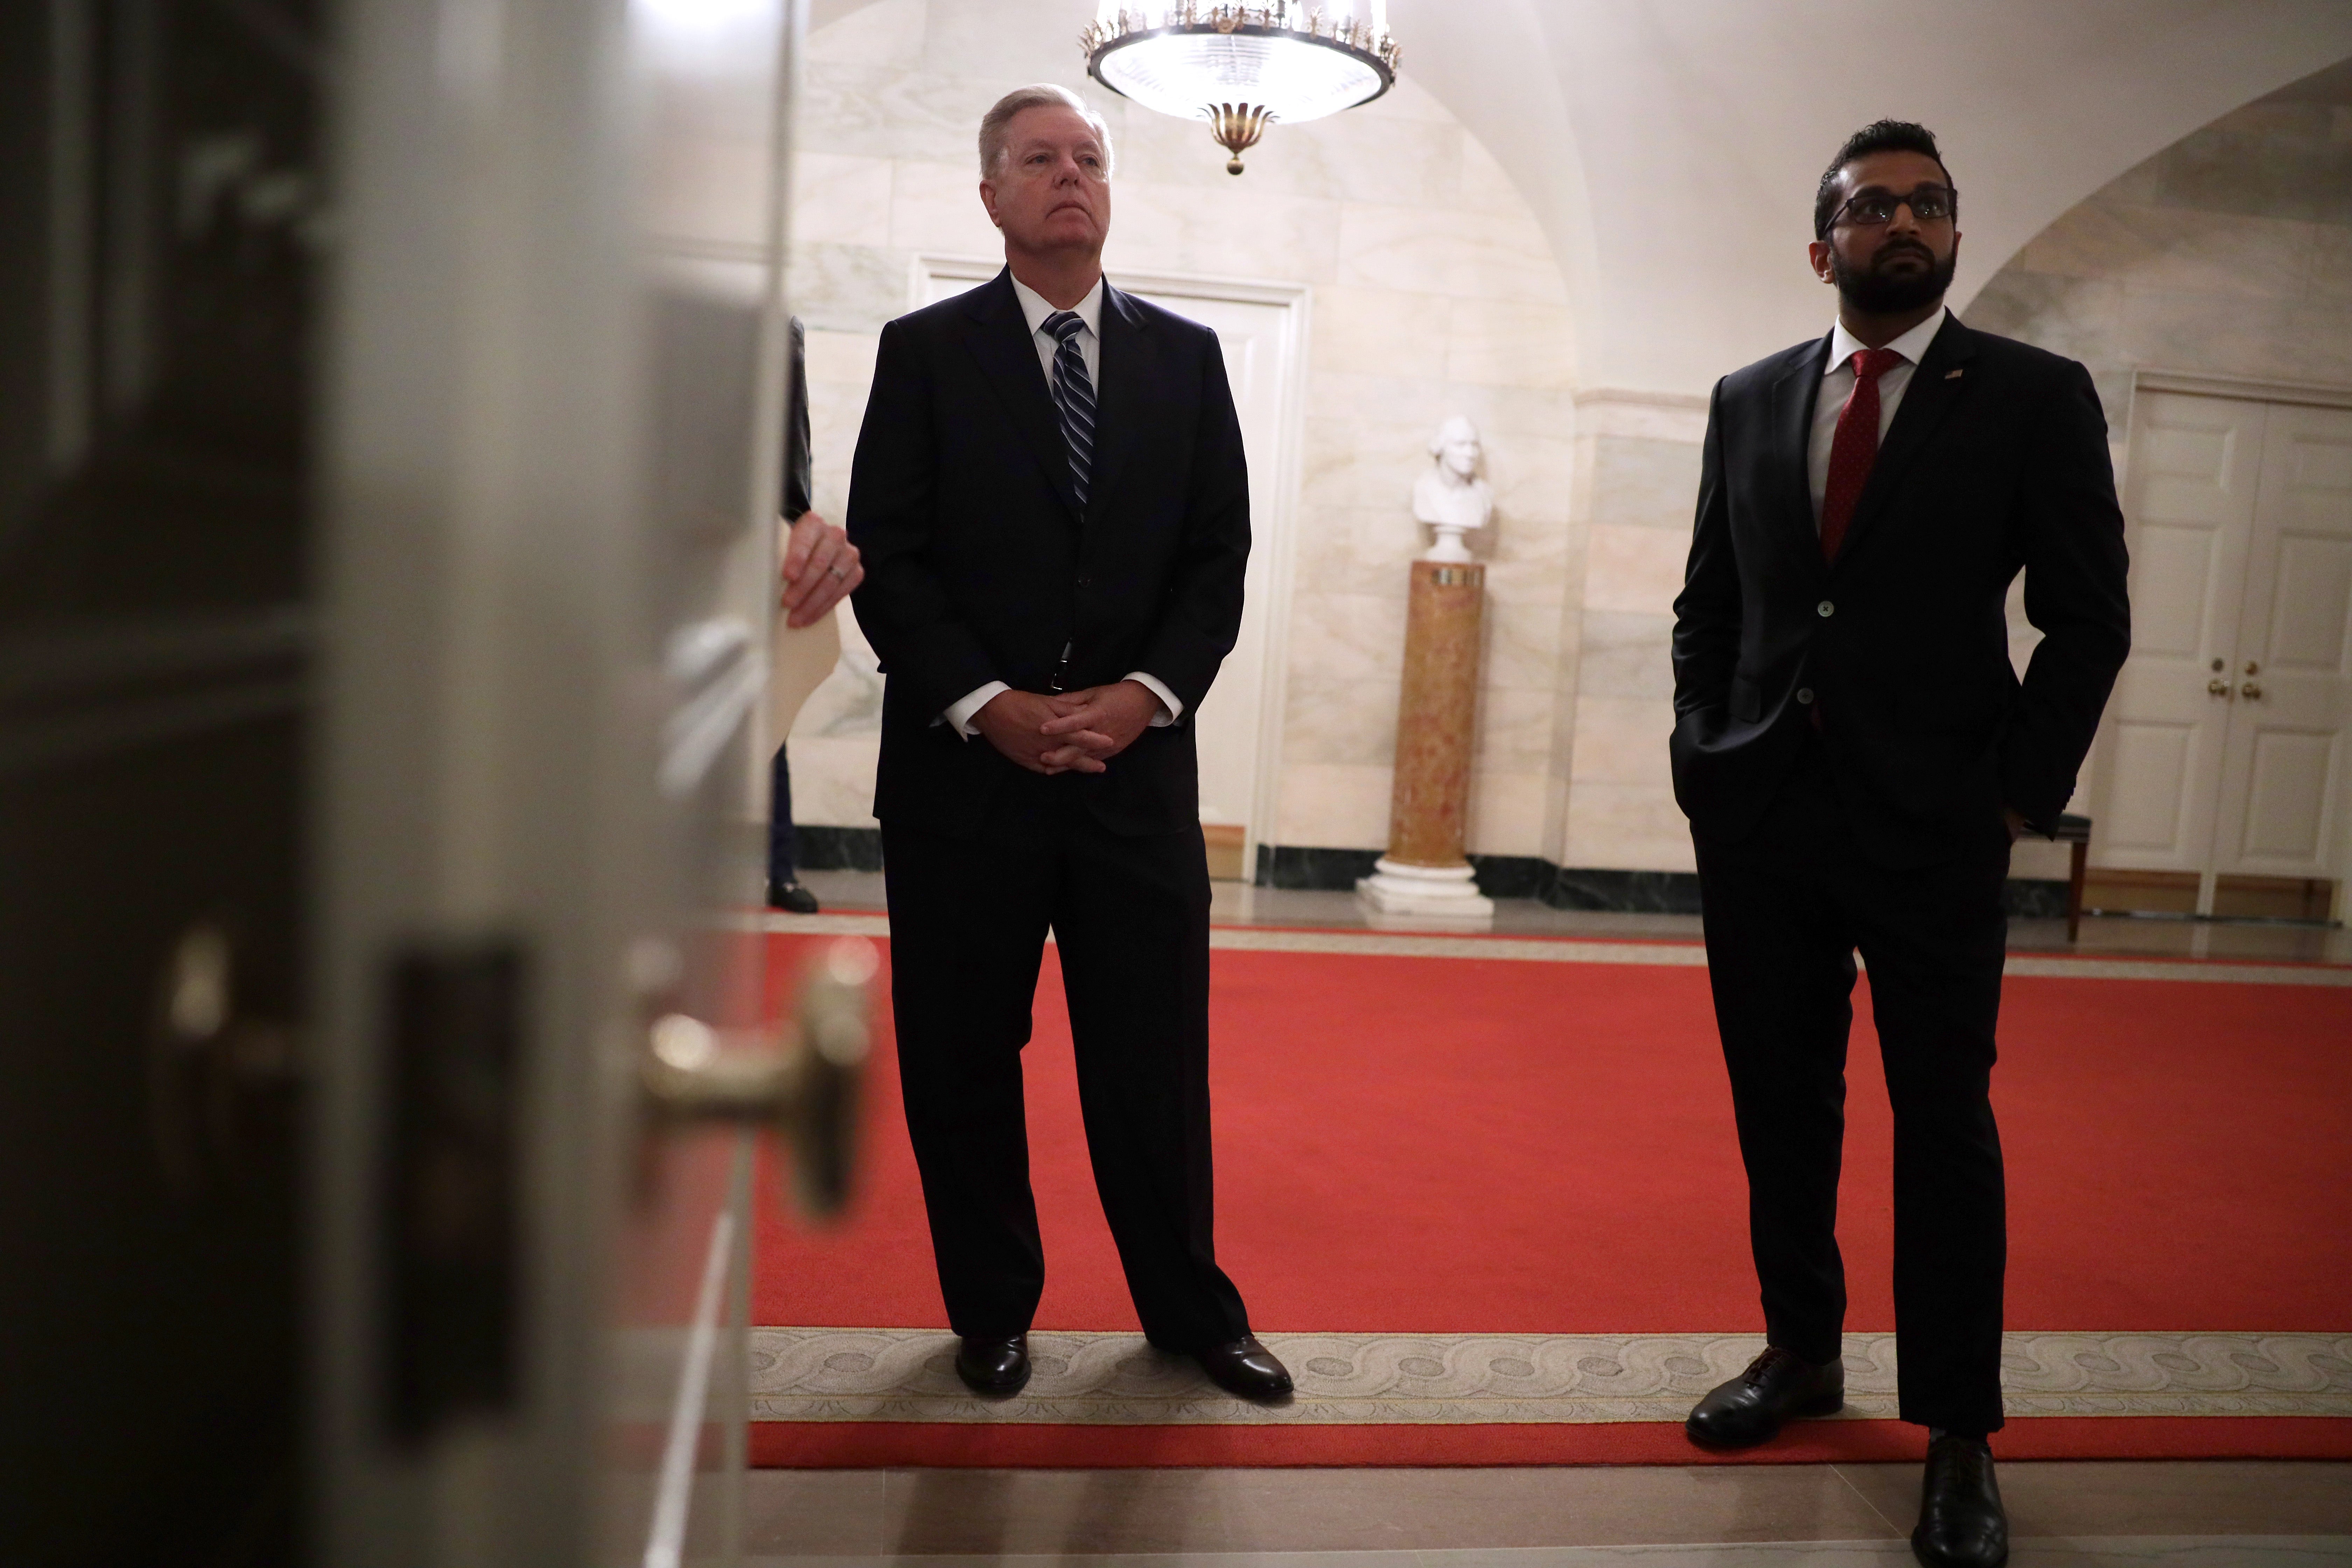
[(1051, 502)]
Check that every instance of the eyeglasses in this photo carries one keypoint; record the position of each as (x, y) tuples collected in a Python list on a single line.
[(1876, 210)]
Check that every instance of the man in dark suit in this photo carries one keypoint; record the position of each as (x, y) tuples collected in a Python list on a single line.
[(1053, 512), (1856, 754)]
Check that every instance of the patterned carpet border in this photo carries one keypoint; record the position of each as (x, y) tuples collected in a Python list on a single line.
[(1578, 950), (810, 1374)]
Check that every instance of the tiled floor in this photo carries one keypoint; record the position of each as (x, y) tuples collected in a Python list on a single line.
[(2202, 1512), (1237, 903)]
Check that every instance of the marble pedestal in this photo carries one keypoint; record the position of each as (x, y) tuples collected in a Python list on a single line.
[(1425, 873)]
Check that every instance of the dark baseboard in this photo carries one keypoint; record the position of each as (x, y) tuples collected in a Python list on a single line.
[(1315, 871), (1568, 886), (837, 848), (1338, 870), (1622, 892), (2031, 898), (1499, 876), (1513, 876)]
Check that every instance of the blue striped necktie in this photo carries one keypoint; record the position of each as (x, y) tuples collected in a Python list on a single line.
[(1074, 397)]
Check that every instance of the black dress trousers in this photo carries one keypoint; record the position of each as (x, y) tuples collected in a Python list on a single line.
[(1786, 908), (1131, 916)]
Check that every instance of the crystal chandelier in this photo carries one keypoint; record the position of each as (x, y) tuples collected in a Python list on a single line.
[(1242, 67)]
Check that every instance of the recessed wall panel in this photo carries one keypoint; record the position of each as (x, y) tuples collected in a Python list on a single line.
[(2311, 609), (2149, 799), (2288, 791), (2172, 571)]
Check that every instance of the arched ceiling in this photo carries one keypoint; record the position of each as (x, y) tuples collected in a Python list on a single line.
[(1670, 147)]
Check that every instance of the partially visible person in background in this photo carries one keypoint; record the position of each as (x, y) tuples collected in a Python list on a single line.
[(820, 567)]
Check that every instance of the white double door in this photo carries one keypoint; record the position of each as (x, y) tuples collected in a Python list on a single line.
[(2227, 743)]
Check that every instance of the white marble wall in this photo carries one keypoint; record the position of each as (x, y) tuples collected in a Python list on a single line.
[(1435, 292), (1637, 477)]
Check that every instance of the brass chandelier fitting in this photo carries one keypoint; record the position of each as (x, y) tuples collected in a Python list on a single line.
[(1237, 127)]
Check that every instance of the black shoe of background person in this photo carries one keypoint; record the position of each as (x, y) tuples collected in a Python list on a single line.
[(790, 896), (1246, 1370), (998, 1367), (1961, 1522), (1777, 1386)]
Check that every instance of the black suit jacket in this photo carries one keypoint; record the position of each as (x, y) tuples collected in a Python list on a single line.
[(980, 567), (795, 485), (1997, 460)]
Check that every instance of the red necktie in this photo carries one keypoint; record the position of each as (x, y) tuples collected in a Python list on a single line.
[(1855, 447)]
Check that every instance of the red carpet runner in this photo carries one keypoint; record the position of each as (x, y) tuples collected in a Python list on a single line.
[(1450, 1146)]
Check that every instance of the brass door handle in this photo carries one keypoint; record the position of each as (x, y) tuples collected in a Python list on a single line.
[(220, 1080), (2252, 690), (803, 1080), (2217, 688)]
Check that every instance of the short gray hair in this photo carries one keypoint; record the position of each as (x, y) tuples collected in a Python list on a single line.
[(1036, 95)]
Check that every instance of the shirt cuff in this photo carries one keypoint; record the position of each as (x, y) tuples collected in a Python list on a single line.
[(1171, 709), (959, 714)]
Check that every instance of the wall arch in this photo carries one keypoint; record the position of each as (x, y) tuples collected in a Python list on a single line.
[(2227, 253)]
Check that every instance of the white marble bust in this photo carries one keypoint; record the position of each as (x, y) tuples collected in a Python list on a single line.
[(1451, 496)]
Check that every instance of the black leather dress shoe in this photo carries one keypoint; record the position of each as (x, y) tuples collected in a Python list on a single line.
[(1752, 1407), (1961, 1522), (792, 897), (1245, 1369), (996, 1367)]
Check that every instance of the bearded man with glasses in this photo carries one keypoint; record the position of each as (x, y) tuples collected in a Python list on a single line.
[(1856, 755)]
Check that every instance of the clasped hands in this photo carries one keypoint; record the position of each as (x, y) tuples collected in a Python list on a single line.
[(1068, 731)]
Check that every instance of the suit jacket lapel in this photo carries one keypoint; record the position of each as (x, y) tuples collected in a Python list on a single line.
[(1936, 387), (1006, 349), (1128, 364), (1794, 396)]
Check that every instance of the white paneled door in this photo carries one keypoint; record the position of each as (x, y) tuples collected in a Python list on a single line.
[(2284, 771), (1235, 736), (2226, 737), (2190, 505)]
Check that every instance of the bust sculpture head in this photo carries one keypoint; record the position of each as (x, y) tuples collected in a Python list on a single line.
[(1451, 496)]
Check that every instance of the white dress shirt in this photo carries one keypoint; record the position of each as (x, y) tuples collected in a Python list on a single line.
[(1035, 308), (1837, 385)]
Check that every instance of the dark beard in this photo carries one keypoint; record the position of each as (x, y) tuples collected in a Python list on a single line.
[(1877, 293)]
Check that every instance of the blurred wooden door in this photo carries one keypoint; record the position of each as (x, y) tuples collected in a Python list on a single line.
[(392, 399), (550, 480), (159, 179)]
